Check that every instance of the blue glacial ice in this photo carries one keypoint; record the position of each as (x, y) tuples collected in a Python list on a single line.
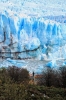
[(35, 39), (32, 37)]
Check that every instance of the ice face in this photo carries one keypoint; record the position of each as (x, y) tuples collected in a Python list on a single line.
[(31, 31), (34, 37)]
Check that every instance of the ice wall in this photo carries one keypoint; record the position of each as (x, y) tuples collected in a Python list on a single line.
[(31, 37)]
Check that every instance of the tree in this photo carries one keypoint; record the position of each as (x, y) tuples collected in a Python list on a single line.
[(4, 77), (63, 76), (13, 72), (51, 77), (18, 74), (24, 75)]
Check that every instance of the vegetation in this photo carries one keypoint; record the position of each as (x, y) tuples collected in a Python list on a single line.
[(54, 78), (18, 74), (16, 91), (14, 85)]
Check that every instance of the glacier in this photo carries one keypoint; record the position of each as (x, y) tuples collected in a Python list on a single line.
[(32, 40)]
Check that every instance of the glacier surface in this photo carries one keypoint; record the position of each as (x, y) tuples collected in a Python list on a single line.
[(32, 33)]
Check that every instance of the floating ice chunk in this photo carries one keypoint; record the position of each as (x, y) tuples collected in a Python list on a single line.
[(51, 64), (18, 63)]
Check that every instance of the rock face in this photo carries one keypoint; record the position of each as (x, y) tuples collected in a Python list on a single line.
[(32, 38)]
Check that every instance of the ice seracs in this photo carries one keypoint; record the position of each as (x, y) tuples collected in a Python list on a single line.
[(32, 34), (32, 30)]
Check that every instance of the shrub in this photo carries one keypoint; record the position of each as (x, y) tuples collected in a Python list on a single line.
[(18, 74)]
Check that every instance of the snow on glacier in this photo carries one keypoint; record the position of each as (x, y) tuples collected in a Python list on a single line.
[(32, 31)]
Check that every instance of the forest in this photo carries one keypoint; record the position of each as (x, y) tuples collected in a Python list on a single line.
[(15, 84)]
